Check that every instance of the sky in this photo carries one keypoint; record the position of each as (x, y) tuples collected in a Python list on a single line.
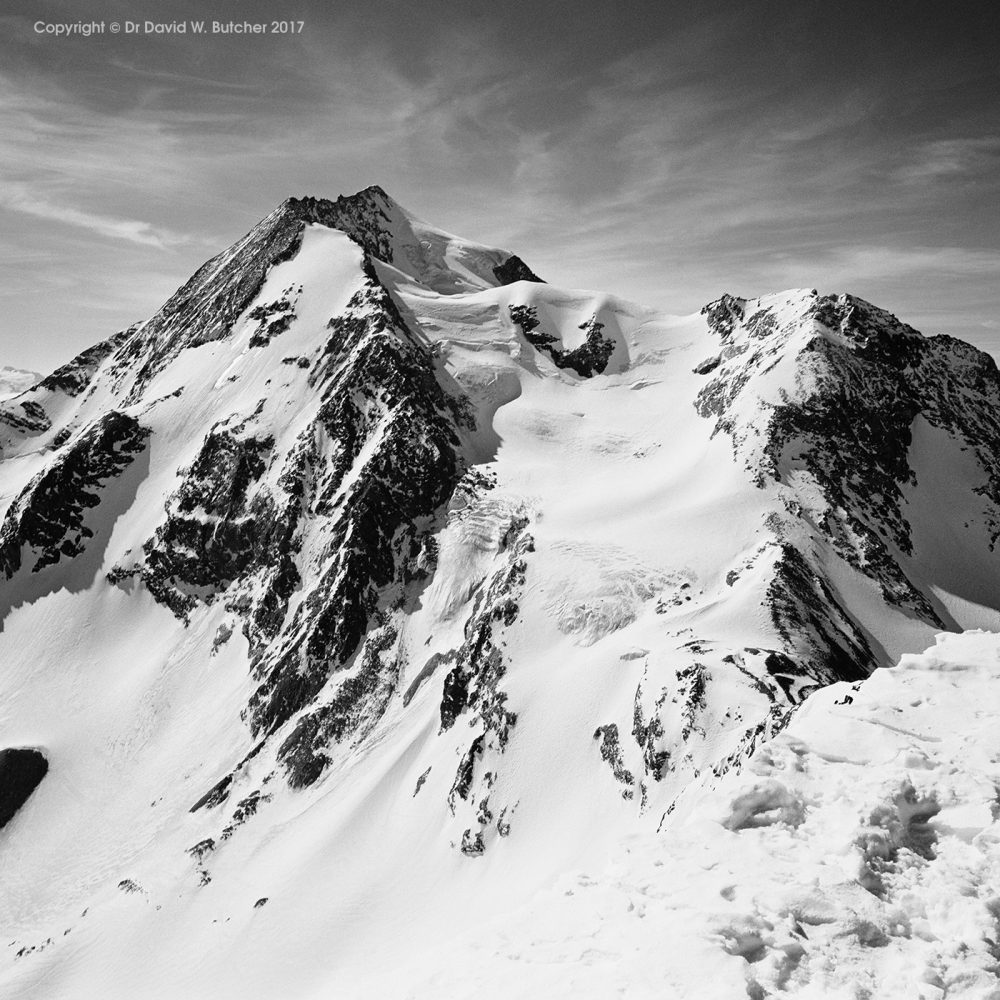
[(663, 151)]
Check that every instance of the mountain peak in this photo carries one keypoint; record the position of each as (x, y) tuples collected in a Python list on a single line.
[(208, 305), (386, 231), (839, 317), (350, 555), (370, 199)]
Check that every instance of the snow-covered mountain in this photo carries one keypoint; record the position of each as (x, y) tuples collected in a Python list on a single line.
[(15, 380), (374, 584)]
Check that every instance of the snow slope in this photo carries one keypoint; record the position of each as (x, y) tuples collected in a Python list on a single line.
[(374, 585), (857, 855)]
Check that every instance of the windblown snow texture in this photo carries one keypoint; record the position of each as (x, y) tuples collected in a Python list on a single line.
[(373, 584)]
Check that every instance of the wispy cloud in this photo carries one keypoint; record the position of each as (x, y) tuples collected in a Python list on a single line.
[(667, 153), (184, 80), (18, 198), (869, 262), (947, 158)]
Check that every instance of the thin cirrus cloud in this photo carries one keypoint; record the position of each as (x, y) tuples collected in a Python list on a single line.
[(949, 158), (19, 198), (880, 262)]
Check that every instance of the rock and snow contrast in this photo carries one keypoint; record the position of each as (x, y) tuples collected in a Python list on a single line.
[(378, 619), (857, 854)]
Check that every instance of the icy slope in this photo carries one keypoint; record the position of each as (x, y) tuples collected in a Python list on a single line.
[(373, 583), (857, 855)]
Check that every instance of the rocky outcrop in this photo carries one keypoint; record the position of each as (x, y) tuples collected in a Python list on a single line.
[(25, 416), (214, 533), (611, 754), (472, 691), (472, 684), (273, 318), (74, 377), (206, 307), (856, 380), (21, 772), (514, 269), (353, 500), (823, 642), (47, 521), (351, 712), (392, 462), (590, 358)]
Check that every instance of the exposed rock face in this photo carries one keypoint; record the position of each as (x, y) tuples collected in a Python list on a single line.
[(826, 642), (363, 216), (274, 319), (355, 708), (380, 401), (514, 269), (856, 379), (590, 358), (207, 306), (49, 516), (391, 461), (24, 415), (213, 535), (21, 772), (611, 754), (472, 693), (74, 378), (472, 683)]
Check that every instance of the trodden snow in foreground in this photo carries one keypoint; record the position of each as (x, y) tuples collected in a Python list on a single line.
[(857, 855)]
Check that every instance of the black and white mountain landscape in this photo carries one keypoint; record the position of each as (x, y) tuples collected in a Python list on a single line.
[(379, 619)]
